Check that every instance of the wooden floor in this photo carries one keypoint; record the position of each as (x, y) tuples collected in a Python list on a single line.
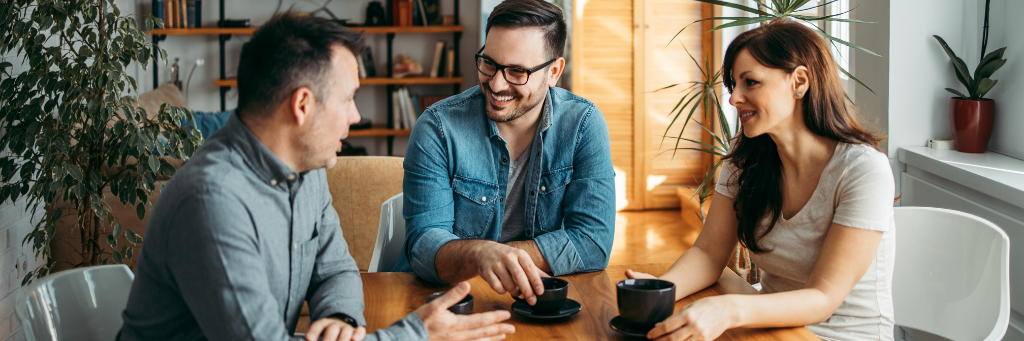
[(658, 236)]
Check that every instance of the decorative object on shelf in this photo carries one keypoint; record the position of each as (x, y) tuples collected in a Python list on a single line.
[(72, 137), (375, 14), (404, 66), (971, 116), (402, 15), (439, 54)]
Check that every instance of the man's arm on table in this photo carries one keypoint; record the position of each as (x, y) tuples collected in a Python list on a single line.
[(336, 288), (585, 241)]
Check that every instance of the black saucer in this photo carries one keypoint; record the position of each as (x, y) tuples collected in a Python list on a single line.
[(620, 325), (569, 308)]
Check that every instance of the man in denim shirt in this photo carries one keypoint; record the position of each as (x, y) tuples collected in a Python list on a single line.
[(513, 178), (245, 232)]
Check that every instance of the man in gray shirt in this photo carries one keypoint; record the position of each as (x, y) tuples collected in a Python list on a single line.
[(245, 232)]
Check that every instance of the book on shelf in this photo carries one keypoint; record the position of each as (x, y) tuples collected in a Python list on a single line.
[(158, 10), (419, 14), (402, 12), (362, 68), (405, 109), (182, 14), (435, 68), (432, 10), (190, 8), (427, 101), (169, 12), (368, 63)]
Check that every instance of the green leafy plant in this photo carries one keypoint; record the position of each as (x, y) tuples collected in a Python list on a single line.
[(979, 84), (73, 127), (779, 9), (703, 94)]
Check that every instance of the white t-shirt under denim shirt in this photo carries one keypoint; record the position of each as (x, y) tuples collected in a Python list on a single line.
[(855, 189)]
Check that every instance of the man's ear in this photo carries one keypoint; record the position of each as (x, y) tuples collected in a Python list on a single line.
[(556, 71), (301, 105)]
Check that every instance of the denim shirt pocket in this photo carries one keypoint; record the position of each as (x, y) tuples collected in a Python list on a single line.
[(552, 193), (474, 206)]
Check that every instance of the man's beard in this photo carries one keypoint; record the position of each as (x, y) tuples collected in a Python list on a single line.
[(516, 110)]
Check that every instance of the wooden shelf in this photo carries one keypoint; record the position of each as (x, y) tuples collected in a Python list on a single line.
[(202, 31), (373, 81), (379, 131), (250, 30)]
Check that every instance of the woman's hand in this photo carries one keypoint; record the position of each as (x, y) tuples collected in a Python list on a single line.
[(703, 320), (638, 275)]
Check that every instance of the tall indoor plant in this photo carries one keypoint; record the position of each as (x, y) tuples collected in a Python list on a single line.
[(971, 116), (73, 126)]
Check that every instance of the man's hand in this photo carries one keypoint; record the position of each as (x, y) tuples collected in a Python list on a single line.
[(332, 329), (509, 269), (444, 325)]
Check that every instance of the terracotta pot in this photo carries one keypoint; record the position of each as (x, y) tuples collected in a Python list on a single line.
[(971, 122)]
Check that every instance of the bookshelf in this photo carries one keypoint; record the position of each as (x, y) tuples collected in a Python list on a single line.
[(225, 84)]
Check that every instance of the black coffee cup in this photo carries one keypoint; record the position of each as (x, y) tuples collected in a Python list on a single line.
[(645, 302), (464, 307), (555, 292)]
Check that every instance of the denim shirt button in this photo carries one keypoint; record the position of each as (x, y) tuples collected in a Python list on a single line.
[(504, 160), (483, 199), (542, 188)]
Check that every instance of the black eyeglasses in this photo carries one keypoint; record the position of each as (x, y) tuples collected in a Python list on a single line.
[(513, 74)]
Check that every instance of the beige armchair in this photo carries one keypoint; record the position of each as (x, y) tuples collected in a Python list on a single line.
[(359, 185)]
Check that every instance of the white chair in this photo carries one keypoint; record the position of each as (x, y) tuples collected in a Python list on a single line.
[(390, 236), (952, 275), (80, 304)]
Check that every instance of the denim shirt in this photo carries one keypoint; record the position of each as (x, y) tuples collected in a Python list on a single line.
[(456, 175), (235, 245)]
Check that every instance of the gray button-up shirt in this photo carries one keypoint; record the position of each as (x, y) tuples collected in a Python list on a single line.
[(236, 243)]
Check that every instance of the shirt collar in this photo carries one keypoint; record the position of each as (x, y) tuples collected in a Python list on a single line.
[(257, 156), (545, 116)]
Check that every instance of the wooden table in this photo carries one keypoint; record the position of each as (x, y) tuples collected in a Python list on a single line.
[(391, 296)]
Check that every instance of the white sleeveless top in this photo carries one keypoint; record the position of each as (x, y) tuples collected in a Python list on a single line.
[(855, 189)]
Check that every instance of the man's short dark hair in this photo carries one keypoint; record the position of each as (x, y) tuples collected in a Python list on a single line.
[(289, 52), (532, 13)]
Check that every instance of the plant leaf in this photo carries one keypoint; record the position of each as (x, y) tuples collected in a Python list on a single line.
[(117, 230), (140, 209), (986, 70), (747, 21), (736, 6), (983, 87), (957, 93), (958, 65), (111, 241)]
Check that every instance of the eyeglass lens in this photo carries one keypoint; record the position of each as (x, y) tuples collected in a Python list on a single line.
[(512, 75)]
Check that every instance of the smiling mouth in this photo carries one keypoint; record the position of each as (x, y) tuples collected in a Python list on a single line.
[(748, 114), (501, 100)]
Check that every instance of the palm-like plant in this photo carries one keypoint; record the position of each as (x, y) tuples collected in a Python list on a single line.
[(979, 84)]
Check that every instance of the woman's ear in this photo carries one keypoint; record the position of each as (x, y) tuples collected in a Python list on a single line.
[(801, 81)]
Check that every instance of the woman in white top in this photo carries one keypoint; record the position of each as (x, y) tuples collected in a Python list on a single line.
[(806, 190)]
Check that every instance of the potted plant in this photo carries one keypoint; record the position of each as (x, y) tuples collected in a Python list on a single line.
[(971, 116), (73, 127)]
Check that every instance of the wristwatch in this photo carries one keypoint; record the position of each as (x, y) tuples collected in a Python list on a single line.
[(347, 319)]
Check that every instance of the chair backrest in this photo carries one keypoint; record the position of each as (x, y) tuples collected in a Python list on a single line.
[(358, 185), (390, 235), (952, 275), (80, 304)]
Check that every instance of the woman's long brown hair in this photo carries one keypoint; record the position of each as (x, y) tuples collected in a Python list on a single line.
[(784, 44)]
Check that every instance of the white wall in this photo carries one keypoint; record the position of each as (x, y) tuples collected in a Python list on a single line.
[(371, 101), (1005, 29)]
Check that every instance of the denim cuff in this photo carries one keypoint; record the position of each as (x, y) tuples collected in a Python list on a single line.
[(424, 251), (559, 251)]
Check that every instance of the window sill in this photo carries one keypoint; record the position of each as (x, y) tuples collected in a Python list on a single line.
[(997, 175)]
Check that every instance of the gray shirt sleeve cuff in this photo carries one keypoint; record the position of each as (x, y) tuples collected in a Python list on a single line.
[(410, 328)]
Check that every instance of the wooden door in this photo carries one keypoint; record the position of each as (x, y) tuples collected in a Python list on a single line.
[(621, 54)]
